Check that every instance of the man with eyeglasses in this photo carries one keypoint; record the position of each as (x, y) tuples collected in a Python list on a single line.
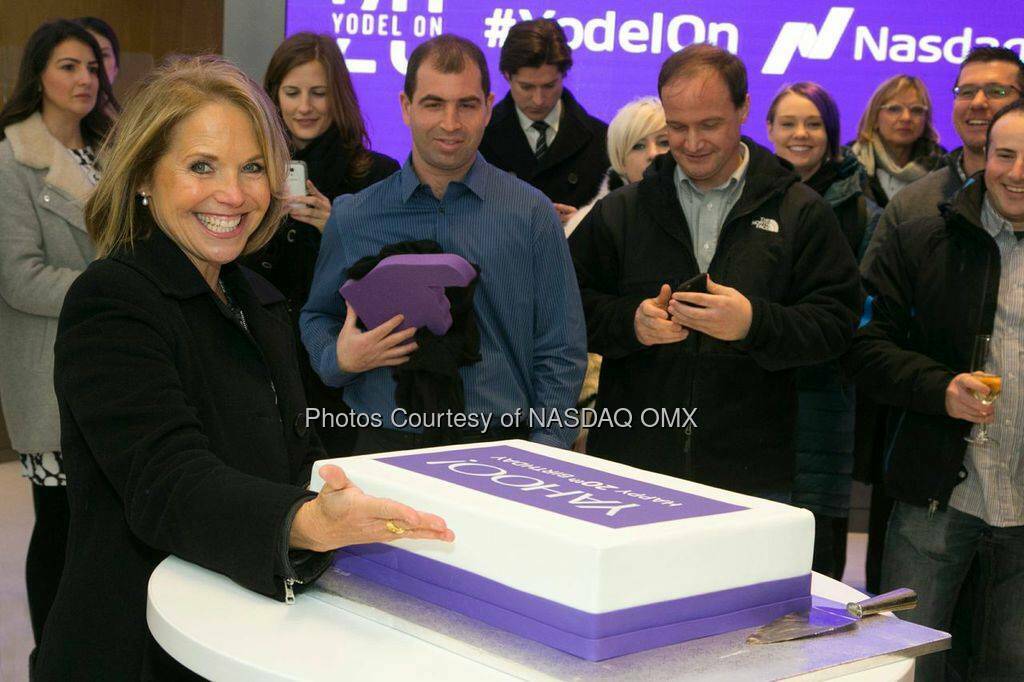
[(989, 79), (938, 283)]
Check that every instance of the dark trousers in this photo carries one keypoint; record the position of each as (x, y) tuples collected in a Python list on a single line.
[(830, 545), (932, 554), (878, 523), (370, 440), (46, 549)]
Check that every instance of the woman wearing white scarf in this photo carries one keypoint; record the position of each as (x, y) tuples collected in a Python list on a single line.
[(896, 142)]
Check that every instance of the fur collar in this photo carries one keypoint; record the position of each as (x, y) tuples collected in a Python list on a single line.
[(34, 146)]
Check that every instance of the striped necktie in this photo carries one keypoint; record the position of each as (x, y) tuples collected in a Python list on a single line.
[(542, 141)]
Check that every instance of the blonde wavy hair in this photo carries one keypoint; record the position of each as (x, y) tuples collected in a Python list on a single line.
[(632, 123), (885, 92), (142, 134)]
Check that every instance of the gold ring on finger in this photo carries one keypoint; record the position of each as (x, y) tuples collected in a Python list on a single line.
[(394, 528)]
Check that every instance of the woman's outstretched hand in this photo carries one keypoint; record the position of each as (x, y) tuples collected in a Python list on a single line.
[(342, 514)]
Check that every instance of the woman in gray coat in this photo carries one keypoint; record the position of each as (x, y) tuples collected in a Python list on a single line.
[(49, 130)]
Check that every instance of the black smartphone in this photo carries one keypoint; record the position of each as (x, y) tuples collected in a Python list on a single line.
[(698, 284)]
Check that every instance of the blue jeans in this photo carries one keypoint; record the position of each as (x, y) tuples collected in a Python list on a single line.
[(932, 555)]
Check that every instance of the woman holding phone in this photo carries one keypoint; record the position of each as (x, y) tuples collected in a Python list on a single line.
[(308, 81)]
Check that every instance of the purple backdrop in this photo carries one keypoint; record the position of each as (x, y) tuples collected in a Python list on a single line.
[(618, 46)]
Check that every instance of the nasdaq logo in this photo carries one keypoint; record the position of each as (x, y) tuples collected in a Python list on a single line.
[(807, 39), (874, 43)]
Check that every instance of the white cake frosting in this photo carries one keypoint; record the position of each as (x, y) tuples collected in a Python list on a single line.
[(581, 564)]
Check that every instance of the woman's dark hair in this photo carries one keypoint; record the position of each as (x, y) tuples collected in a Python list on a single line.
[(27, 97), (97, 25), (303, 48)]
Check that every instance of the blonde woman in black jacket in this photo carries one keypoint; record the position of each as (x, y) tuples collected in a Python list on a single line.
[(176, 377)]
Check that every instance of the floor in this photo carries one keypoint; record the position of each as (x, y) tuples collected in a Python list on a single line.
[(16, 524), (15, 527)]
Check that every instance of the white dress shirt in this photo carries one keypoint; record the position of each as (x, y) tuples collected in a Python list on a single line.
[(532, 134)]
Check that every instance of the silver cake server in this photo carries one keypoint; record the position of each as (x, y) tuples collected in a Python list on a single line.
[(822, 620)]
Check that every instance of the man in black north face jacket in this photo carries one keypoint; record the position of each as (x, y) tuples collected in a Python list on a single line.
[(779, 255)]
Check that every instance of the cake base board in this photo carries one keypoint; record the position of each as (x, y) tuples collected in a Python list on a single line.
[(876, 641), (589, 646)]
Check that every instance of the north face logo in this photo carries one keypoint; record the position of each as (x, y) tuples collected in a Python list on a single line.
[(766, 224)]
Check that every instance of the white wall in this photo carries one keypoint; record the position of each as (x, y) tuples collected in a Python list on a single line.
[(252, 31)]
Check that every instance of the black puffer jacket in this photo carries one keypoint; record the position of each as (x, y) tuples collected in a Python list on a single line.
[(781, 247), (932, 289)]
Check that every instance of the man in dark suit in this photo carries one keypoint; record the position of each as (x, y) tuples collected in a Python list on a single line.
[(539, 132)]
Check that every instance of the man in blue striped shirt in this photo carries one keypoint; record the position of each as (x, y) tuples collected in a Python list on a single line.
[(527, 303)]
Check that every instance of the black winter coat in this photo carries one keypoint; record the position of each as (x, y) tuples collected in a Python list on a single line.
[(804, 289), (932, 288), (182, 434), (288, 261), (572, 169)]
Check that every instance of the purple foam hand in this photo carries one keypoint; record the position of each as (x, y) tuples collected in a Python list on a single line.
[(412, 285)]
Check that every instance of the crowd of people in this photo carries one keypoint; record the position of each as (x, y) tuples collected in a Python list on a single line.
[(170, 315)]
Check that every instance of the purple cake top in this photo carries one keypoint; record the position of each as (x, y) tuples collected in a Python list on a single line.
[(561, 487), (411, 284)]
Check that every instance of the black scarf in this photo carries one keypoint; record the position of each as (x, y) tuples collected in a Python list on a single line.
[(327, 163), (823, 178), (429, 382)]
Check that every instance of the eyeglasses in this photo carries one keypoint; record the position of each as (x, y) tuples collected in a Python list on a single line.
[(917, 110), (991, 91)]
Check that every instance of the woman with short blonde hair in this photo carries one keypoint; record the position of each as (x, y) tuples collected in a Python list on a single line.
[(896, 141), (632, 124), (183, 414), (635, 136)]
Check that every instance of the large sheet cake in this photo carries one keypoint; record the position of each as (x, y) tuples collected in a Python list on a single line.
[(584, 555)]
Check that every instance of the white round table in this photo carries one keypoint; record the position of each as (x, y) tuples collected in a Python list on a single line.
[(225, 632)]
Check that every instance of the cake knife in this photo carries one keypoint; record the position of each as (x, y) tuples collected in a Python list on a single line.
[(821, 620)]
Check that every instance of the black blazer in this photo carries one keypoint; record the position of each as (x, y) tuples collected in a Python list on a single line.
[(573, 167), (182, 434)]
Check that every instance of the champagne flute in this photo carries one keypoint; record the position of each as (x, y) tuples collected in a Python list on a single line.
[(994, 382)]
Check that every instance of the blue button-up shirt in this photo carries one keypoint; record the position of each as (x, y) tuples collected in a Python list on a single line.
[(706, 210), (527, 302)]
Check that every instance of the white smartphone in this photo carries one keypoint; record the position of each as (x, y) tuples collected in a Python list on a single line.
[(297, 179)]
